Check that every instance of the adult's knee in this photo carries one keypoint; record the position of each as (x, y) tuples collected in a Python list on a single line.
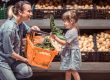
[(23, 71)]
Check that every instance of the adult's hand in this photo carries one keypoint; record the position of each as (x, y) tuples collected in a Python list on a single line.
[(25, 60), (35, 28)]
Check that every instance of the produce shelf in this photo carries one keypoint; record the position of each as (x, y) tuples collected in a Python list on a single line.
[(82, 13)]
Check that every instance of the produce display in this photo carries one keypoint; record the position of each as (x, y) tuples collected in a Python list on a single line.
[(87, 4), (86, 43), (85, 8), (47, 4), (72, 4), (75, 4), (103, 41)]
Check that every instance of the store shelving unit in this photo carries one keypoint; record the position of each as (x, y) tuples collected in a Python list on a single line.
[(91, 21)]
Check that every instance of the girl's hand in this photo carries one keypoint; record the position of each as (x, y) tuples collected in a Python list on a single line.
[(53, 36)]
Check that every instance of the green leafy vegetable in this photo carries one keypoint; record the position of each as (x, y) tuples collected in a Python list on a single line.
[(46, 44), (56, 30)]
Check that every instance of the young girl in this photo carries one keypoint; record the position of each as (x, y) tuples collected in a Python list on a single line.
[(70, 53)]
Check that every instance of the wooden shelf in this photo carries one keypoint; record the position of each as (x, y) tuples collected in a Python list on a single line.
[(83, 23), (86, 67)]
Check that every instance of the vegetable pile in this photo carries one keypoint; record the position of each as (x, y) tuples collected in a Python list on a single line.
[(46, 44)]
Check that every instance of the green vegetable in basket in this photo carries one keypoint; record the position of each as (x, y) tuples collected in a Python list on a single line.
[(46, 44), (55, 30)]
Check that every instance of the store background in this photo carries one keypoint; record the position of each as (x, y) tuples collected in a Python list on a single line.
[(94, 28)]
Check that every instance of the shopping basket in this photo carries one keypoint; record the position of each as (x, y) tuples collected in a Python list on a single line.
[(38, 56)]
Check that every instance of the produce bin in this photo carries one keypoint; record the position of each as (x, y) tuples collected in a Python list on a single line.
[(104, 56)]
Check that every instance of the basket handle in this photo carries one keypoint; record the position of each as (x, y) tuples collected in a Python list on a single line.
[(33, 32), (31, 36), (42, 32)]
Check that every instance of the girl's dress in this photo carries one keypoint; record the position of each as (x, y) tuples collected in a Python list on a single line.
[(70, 53)]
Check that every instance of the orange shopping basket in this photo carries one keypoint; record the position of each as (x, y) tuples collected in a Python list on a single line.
[(38, 56)]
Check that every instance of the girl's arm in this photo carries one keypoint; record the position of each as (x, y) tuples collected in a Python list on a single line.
[(62, 42)]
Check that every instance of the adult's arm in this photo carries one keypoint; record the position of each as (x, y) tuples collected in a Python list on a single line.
[(8, 45)]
